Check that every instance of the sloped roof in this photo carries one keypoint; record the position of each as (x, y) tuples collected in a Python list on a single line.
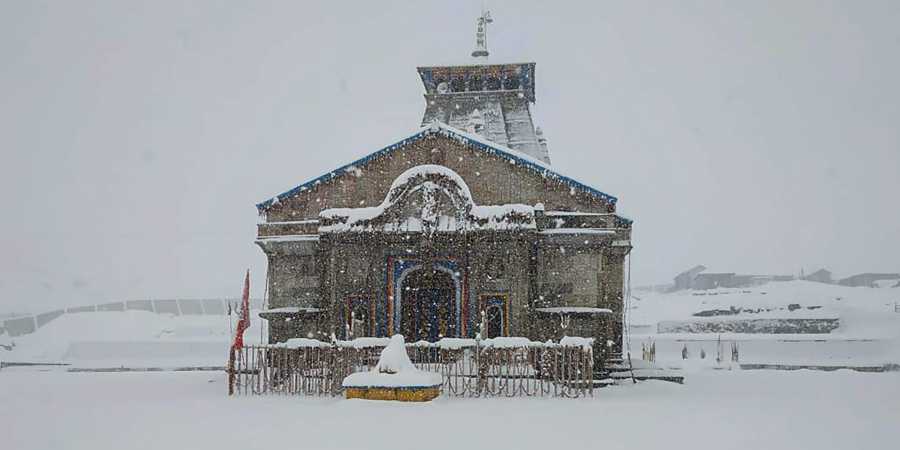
[(820, 271), (471, 140)]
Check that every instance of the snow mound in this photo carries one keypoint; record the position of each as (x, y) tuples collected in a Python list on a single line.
[(394, 369), (365, 342), (455, 343), (394, 358), (575, 341), (296, 343), (509, 342)]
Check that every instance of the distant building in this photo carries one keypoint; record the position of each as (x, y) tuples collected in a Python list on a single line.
[(714, 280), (696, 278), (819, 276), (868, 279), (684, 280), (782, 278)]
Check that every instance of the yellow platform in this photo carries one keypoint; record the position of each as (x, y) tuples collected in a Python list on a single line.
[(405, 394)]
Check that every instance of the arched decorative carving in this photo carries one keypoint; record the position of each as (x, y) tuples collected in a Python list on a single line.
[(427, 198)]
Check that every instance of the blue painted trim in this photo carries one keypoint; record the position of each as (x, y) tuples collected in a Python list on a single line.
[(402, 264), (447, 131)]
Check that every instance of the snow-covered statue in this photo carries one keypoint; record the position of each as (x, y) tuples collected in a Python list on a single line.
[(394, 358), (394, 378)]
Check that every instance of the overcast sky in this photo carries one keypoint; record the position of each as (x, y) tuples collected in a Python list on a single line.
[(136, 137)]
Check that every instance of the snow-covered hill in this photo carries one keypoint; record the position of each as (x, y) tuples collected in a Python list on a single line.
[(862, 311), (128, 338), (867, 330)]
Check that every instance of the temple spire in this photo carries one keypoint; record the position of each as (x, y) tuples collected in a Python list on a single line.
[(490, 100), (481, 50)]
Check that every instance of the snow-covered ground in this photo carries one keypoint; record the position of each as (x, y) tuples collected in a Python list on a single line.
[(713, 409), (869, 331), (868, 335), (735, 409)]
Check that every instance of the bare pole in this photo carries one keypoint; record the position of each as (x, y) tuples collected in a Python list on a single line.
[(625, 326), (265, 305)]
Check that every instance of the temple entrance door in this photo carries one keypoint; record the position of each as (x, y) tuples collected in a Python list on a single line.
[(428, 305)]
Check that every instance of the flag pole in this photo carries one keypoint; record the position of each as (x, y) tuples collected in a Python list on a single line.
[(243, 323)]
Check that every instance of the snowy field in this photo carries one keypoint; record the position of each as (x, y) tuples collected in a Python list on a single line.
[(49, 408), (856, 306), (868, 335), (714, 409), (129, 339)]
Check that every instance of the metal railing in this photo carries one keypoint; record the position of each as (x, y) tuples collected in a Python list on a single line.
[(535, 370)]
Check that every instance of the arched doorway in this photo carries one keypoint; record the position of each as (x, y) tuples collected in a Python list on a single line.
[(428, 305), (494, 315)]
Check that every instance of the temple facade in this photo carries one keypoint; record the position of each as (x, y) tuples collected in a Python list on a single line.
[(462, 228)]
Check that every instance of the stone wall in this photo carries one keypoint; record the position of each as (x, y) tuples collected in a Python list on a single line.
[(477, 253), (512, 265)]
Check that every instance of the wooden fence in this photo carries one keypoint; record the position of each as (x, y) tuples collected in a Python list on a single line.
[(476, 370)]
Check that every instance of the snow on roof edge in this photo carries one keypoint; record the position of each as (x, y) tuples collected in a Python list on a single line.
[(474, 63), (437, 127)]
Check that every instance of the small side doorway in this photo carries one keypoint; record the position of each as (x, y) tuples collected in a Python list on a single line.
[(357, 317), (495, 313)]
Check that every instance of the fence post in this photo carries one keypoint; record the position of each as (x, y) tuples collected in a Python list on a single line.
[(590, 369), (231, 371), (337, 368)]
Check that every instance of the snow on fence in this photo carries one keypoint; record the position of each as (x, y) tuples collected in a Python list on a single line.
[(499, 367)]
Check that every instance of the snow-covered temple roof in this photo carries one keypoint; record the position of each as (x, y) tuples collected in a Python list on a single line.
[(471, 140)]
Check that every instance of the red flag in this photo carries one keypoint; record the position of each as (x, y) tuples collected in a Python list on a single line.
[(244, 320)]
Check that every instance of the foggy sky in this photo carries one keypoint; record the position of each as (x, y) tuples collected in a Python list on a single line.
[(136, 137)]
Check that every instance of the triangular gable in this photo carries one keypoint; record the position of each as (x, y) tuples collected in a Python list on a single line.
[(463, 137)]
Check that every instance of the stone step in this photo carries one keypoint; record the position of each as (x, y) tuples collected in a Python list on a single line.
[(643, 377)]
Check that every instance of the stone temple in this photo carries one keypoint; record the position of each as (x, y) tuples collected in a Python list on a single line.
[(461, 228)]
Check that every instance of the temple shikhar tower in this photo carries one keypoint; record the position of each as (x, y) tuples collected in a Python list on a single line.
[(459, 229), (491, 100)]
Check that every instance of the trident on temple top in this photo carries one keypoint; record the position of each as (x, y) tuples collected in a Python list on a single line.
[(481, 24)]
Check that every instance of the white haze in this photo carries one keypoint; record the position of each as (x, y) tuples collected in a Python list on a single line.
[(136, 137)]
